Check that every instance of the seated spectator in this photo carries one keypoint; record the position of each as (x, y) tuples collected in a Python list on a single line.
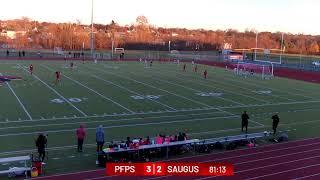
[(180, 137), (128, 142), (172, 138), (147, 141), (141, 142), (167, 139), (113, 145), (184, 136), (159, 139)]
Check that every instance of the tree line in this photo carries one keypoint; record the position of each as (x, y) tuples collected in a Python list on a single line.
[(144, 36)]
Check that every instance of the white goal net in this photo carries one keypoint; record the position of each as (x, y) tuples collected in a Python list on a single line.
[(265, 70)]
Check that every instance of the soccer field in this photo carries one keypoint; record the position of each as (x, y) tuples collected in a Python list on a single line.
[(131, 100)]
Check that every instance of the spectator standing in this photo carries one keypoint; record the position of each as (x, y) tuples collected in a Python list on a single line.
[(41, 143), (100, 138), (81, 134), (275, 121), (245, 121)]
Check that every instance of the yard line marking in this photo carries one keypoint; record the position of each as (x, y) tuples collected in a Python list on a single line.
[(178, 111), (57, 93), (232, 79), (121, 126), (114, 120), (219, 109), (156, 88), (104, 97), (133, 92), (156, 123), (176, 84), (18, 99), (232, 92)]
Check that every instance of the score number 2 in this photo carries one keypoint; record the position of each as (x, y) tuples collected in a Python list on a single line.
[(154, 169)]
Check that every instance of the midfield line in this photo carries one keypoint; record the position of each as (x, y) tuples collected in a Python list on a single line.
[(92, 90), (56, 92), (18, 99)]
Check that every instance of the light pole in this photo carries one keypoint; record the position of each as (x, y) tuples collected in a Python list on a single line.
[(92, 41), (255, 51), (281, 48)]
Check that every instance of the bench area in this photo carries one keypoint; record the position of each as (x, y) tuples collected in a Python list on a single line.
[(14, 171), (167, 150)]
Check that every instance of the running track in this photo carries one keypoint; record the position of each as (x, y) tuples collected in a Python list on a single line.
[(291, 160)]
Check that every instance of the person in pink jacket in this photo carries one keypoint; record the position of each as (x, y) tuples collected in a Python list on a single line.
[(81, 134)]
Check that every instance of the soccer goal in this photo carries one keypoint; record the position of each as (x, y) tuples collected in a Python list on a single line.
[(58, 50), (118, 50), (251, 69)]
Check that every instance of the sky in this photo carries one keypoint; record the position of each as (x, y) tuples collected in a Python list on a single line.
[(293, 16)]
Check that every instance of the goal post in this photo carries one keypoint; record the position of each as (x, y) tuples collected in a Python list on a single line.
[(264, 69)]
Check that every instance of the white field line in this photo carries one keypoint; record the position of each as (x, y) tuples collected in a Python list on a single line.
[(156, 123), (56, 92), (308, 176), (176, 84), (219, 109), (231, 92), (266, 87), (58, 148), (290, 170), (162, 112), (220, 82), (92, 145), (128, 119), (145, 84), (122, 125), (188, 157), (248, 155), (106, 121), (18, 99), (272, 165), (92, 90), (119, 86), (257, 159)]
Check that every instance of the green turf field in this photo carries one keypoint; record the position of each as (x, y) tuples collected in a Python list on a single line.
[(131, 100)]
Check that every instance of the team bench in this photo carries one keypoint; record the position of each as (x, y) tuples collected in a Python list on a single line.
[(234, 139), (15, 171)]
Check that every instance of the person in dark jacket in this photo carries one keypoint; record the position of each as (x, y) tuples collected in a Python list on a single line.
[(245, 121), (100, 138), (275, 121), (41, 143)]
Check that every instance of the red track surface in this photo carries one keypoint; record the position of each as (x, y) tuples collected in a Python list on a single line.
[(296, 159)]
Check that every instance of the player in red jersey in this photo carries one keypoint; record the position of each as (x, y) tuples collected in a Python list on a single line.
[(205, 73), (31, 69), (58, 76), (184, 67)]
